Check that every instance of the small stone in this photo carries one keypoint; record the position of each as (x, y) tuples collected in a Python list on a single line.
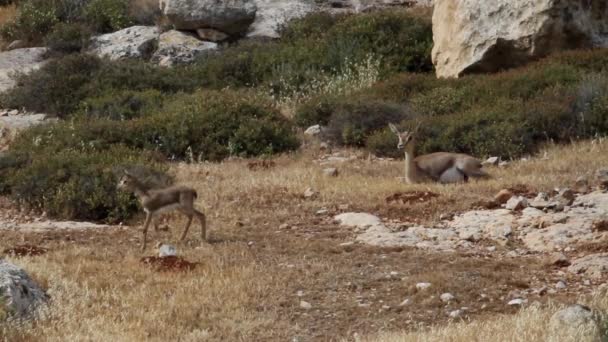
[(331, 172), (305, 305), (559, 260), (541, 201), (565, 196), (455, 313), (517, 301), (581, 185), (167, 250), (503, 196), (516, 203), (313, 130), (347, 244), (310, 193), (560, 285), (300, 293), (446, 297), (491, 161), (283, 226), (405, 302), (321, 211), (211, 35), (586, 282), (250, 243), (423, 286)]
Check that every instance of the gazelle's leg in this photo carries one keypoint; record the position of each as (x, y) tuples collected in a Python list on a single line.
[(203, 219), (146, 224), (189, 214), (156, 224)]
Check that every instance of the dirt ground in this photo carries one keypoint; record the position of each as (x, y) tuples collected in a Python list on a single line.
[(278, 268)]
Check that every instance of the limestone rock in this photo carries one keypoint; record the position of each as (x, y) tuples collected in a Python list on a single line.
[(593, 265), (358, 220), (581, 185), (602, 177), (20, 296), (19, 61), (558, 259), (516, 203), (177, 47), (472, 36), (167, 250), (575, 318), (131, 42), (232, 17), (313, 130), (272, 14)]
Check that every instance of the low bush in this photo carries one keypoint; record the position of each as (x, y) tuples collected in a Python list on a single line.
[(35, 18), (122, 105), (68, 38), (108, 15), (73, 185)]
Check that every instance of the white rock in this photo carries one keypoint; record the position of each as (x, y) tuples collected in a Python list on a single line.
[(406, 302), (517, 301), (423, 286), (516, 203), (470, 36), (592, 265), (358, 220), (167, 250), (272, 14), (305, 305), (561, 285), (19, 61), (20, 296), (578, 318), (492, 161), (313, 130), (446, 297), (131, 42), (455, 313)]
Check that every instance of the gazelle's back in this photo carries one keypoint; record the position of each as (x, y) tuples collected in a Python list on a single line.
[(446, 164)]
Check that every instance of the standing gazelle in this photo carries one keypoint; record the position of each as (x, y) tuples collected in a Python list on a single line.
[(443, 167), (157, 201)]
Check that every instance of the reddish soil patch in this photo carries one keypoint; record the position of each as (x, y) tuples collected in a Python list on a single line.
[(523, 190), (410, 197), (25, 250), (169, 263), (255, 165)]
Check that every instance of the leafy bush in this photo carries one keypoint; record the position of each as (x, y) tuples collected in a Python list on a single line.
[(68, 38), (122, 105), (383, 143), (34, 20), (107, 15), (353, 122), (73, 185)]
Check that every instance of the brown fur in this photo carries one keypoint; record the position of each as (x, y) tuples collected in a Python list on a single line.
[(155, 201)]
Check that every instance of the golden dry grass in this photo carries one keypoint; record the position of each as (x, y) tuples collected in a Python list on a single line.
[(267, 244), (7, 14)]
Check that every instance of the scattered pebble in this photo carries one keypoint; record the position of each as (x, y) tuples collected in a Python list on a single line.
[(305, 305), (423, 286), (560, 285), (517, 301), (447, 297), (405, 302), (455, 313)]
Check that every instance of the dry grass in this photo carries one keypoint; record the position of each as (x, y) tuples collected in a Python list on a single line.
[(7, 13), (145, 12), (267, 244)]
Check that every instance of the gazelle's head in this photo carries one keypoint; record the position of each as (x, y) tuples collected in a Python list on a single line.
[(127, 182), (405, 137)]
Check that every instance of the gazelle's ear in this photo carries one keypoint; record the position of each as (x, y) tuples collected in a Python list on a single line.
[(418, 124), (393, 128)]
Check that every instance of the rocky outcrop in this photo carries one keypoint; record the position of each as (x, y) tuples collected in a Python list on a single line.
[(177, 47), (272, 14), (472, 36), (13, 121), (19, 61), (229, 16), (20, 296), (132, 42)]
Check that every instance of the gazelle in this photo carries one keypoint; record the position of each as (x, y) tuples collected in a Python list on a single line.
[(443, 167), (156, 201)]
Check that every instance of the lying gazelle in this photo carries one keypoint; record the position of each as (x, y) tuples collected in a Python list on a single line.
[(443, 167), (157, 201)]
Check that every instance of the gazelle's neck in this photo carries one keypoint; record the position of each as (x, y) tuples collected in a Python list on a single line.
[(140, 190), (410, 166)]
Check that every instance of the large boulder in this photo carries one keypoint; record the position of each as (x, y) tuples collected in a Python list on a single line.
[(132, 42), (229, 16), (19, 61), (473, 36), (177, 47), (20, 296), (272, 14)]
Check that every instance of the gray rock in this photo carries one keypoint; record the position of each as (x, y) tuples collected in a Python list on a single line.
[(131, 42), (516, 203), (447, 297), (229, 16), (541, 201), (358, 220), (601, 177), (517, 301), (177, 47), (455, 313), (561, 285), (167, 250), (20, 296), (558, 259), (575, 318), (19, 61), (593, 265), (272, 14), (305, 305), (491, 161), (423, 286)]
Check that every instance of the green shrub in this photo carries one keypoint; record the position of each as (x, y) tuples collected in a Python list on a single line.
[(107, 15), (57, 88), (74, 185), (122, 105), (383, 143), (317, 111), (35, 18), (68, 38), (353, 122)]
